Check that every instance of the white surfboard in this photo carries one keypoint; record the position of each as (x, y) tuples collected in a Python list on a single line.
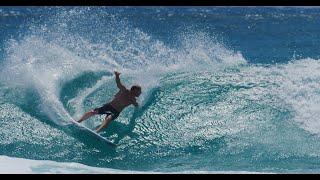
[(82, 127)]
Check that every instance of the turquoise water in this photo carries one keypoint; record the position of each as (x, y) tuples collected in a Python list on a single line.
[(224, 89)]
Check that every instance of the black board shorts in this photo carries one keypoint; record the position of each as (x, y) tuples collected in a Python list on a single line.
[(107, 109)]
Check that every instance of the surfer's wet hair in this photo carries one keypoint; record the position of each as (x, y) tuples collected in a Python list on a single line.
[(135, 87)]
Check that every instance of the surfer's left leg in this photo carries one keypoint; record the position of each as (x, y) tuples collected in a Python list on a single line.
[(105, 123), (87, 115)]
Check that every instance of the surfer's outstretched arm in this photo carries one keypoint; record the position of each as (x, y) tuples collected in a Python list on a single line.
[(119, 84), (105, 123)]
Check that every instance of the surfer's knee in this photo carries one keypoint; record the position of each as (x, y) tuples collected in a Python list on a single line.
[(93, 112), (108, 118)]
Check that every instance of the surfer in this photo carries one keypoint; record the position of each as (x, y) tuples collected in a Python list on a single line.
[(112, 109)]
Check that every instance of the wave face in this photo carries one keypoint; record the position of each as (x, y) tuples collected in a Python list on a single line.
[(215, 97)]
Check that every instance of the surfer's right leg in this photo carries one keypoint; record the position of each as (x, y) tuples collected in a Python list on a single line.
[(105, 123), (87, 115)]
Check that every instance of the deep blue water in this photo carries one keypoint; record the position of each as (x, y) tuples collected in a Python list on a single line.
[(224, 88)]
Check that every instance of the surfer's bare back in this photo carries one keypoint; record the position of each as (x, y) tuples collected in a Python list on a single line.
[(112, 109)]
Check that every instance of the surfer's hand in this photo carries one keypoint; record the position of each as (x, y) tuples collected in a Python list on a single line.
[(117, 73)]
